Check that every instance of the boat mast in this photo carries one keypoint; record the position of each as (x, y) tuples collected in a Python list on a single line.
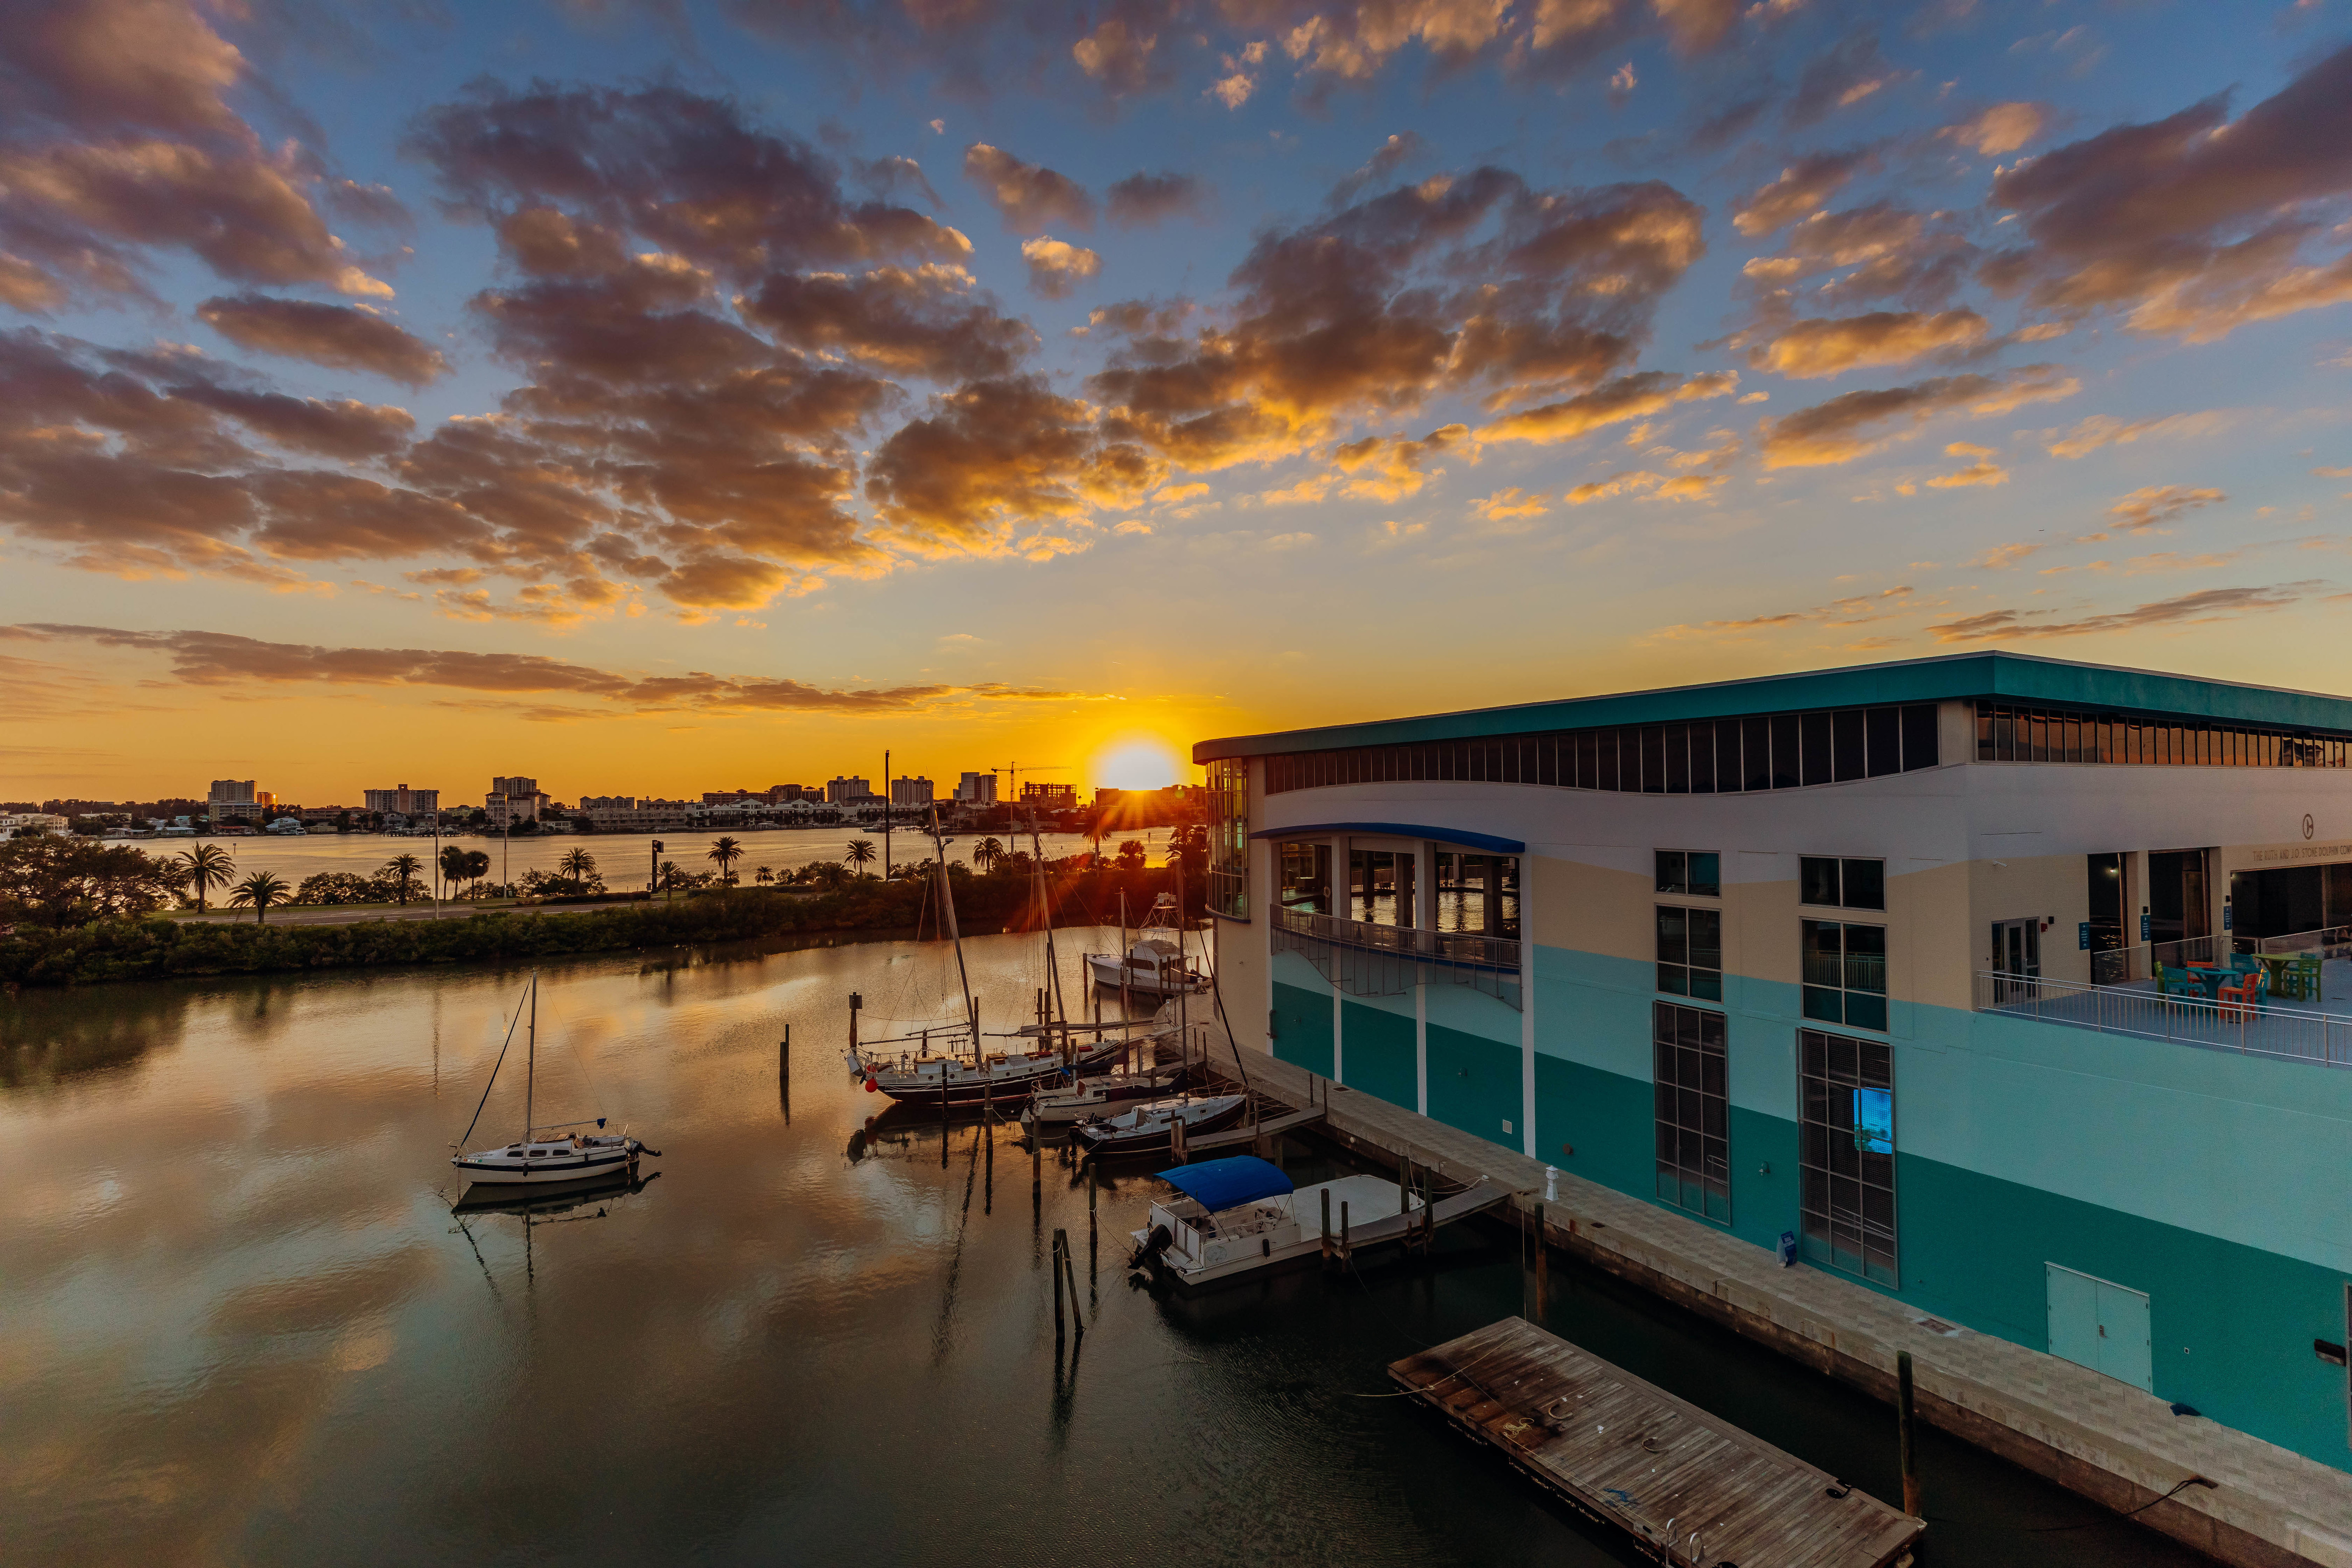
[(531, 1072), (948, 912), (1045, 918)]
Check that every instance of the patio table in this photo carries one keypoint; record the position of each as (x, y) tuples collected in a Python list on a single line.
[(2276, 965)]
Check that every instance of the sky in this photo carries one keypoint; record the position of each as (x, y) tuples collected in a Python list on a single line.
[(658, 397)]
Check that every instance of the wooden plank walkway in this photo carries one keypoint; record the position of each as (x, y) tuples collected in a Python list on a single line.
[(1241, 1137), (1362, 1236), (1687, 1488)]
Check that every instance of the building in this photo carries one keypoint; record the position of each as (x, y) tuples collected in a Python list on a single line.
[(633, 813), (403, 801), (593, 803), (848, 791), (1050, 796), (906, 791), (235, 800), (976, 789), (1865, 959), (511, 801), (13, 823)]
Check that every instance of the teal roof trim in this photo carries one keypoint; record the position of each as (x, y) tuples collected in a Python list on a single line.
[(2020, 677)]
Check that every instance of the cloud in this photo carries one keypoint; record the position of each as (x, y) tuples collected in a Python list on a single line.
[(2105, 431), (2188, 609), (1400, 148), (220, 658), (1851, 71), (1852, 426), (1892, 253), (2152, 506), (1834, 345), (924, 321), (345, 429), (2003, 128), (1473, 284), (1983, 471), (339, 337), (1514, 502), (1389, 470), (1144, 199), (1118, 54), (1028, 197), (2001, 557), (1057, 267), (1632, 481), (1800, 191), (994, 457), (1627, 397), (2192, 226)]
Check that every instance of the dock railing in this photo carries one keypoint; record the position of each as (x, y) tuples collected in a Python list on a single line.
[(2291, 1034)]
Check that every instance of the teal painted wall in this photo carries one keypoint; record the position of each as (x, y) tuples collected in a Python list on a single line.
[(1302, 1026), (1377, 1051), (1474, 1083)]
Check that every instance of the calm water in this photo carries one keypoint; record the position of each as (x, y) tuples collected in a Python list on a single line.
[(624, 859), (239, 1323)]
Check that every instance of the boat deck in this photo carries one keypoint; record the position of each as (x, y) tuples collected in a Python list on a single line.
[(1683, 1484)]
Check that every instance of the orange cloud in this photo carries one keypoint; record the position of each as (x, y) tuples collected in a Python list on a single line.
[(1834, 345)]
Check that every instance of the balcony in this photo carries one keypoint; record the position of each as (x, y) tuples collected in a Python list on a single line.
[(2284, 1028), (1367, 960)]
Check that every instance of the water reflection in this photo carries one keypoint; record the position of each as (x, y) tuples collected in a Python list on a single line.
[(241, 1322)]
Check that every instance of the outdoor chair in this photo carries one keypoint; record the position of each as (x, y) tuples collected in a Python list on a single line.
[(2300, 978), (2171, 980), (2246, 995)]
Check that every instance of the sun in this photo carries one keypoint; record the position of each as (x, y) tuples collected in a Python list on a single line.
[(1135, 765)]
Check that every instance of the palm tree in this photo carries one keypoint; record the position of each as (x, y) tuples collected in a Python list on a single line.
[(763, 876), (669, 879), (987, 853), (860, 854), (205, 866), (453, 863), (257, 892), (726, 851), (402, 869), (577, 864), (477, 866)]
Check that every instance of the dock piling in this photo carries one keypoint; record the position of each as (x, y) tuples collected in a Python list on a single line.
[(1343, 1231), (1327, 1223), (1093, 1241), (1543, 1270), (1055, 1267), (1070, 1274), (1906, 1438)]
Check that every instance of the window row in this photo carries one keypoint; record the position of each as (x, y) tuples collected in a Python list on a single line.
[(1826, 881), (2012, 735), (1471, 895), (1845, 1131), (1706, 756), (1228, 786)]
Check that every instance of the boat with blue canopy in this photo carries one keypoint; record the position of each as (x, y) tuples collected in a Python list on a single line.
[(1238, 1217)]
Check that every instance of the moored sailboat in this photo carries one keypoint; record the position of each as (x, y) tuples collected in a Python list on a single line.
[(562, 1153)]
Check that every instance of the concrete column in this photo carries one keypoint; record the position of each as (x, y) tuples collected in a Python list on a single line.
[(1527, 1006), (1340, 909), (1424, 918)]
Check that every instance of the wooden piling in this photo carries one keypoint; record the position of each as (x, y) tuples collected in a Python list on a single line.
[(1343, 1230), (1543, 1270), (1055, 1267), (1093, 1172), (1906, 1438), (1070, 1273)]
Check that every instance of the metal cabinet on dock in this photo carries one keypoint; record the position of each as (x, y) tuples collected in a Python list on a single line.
[(2097, 1323)]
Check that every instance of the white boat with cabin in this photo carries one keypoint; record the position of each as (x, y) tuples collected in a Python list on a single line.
[(560, 1153), (1154, 964)]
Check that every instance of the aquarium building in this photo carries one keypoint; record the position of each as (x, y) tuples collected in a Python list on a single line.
[(2015, 988)]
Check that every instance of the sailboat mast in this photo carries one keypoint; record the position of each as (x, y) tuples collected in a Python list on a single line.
[(1046, 917), (531, 1071), (948, 912)]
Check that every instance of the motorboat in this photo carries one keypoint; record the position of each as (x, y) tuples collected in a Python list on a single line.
[(1149, 1126), (1154, 963), (566, 1154), (1091, 1097), (1228, 1219)]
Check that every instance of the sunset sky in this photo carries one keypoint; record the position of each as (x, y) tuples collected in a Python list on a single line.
[(659, 397)]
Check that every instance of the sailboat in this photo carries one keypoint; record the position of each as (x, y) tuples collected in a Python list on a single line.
[(947, 1064), (1154, 965), (564, 1152)]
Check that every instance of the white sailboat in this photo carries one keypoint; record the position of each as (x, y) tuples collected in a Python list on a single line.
[(562, 1153)]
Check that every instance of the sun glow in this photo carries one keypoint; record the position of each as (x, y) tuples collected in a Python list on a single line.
[(1135, 765)]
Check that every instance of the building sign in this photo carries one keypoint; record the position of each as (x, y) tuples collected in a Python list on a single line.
[(2083, 936), (2295, 853)]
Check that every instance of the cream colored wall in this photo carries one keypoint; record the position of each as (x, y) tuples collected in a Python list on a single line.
[(2041, 885)]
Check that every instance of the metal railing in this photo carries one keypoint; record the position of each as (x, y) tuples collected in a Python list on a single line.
[(1367, 960), (2293, 1034), (2122, 966)]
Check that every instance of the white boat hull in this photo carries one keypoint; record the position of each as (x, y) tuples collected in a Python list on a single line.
[(1259, 1237), (548, 1164), (1108, 972)]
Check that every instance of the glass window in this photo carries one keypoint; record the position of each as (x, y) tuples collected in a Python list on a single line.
[(1673, 875), (1691, 872), (1846, 1154), (1846, 731), (1694, 1116), (1228, 783), (1756, 754), (1654, 760), (1817, 880), (1885, 728), (1678, 774), (1919, 729), (1307, 879), (1814, 743), (1786, 774), (1690, 952), (1865, 884), (1845, 973)]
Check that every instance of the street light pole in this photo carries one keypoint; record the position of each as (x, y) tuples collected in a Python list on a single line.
[(653, 871)]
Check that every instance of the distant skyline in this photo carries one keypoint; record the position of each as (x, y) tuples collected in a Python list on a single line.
[(659, 397)]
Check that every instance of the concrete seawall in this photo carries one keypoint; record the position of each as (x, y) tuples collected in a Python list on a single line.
[(2266, 1507)]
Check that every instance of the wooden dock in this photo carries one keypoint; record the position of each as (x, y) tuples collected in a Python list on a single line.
[(1343, 1241), (1247, 1136), (1687, 1488)]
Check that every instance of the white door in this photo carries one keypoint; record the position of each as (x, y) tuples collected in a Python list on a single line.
[(2100, 1324)]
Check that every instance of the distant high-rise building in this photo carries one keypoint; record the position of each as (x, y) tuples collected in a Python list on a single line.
[(1050, 796), (516, 785), (233, 800), (514, 801), (905, 790), (403, 801), (839, 790), (977, 789)]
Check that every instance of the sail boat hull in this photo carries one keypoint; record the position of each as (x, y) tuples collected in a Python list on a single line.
[(1007, 1084), (548, 1164)]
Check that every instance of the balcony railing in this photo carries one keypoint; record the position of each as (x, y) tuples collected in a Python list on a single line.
[(2294, 1033), (1368, 959)]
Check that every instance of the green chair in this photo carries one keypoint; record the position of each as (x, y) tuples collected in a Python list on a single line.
[(2300, 978)]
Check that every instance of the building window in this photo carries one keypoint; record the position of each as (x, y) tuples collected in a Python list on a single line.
[(1690, 873), (1381, 887), (1848, 1154), (1694, 1116), (2007, 734), (1229, 838), (1306, 878), (1478, 894), (1846, 974), (1841, 884), (1690, 952)]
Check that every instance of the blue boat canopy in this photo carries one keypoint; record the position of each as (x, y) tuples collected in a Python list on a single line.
[(1218, 1184)]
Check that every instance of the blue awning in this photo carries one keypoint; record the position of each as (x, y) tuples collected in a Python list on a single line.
[(1487, 841), (1217, 1185)]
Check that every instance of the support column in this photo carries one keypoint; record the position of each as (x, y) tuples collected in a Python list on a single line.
[(1340, 909), (1528, 1004), (1424, 918)]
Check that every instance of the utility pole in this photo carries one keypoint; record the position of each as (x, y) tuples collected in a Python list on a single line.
[(887, 803)]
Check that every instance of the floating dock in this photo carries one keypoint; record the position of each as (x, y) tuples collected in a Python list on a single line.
[(1685, 1487)]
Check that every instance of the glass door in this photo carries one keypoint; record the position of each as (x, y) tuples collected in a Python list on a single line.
[(2016, 957)]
